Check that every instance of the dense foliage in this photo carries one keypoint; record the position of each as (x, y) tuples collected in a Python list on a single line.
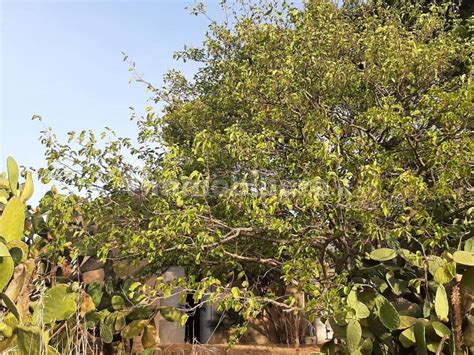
[(45, 305), (308, 139)]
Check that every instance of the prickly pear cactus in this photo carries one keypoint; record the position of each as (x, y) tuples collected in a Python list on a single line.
[(12, 250), (12, 221), (17, 330), (383, 314), (26, 323)]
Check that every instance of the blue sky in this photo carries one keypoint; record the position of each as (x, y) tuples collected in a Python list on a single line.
[(62, 60)]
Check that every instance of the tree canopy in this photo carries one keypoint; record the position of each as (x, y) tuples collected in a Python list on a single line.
[(308, 138)]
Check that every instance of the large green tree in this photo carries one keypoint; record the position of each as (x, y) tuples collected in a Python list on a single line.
[(307, 138)]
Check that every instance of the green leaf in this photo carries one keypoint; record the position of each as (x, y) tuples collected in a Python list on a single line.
[(407, 337), (419, 330), (406, 322), (119, 322), (383, 254), (445, 273), (94, 290), (464, 257), (13, 174), (183, 320), (10, 305), (28, 188), (5, 330), (361, 310), (353, 335), (52, 351), (12, 221), (134, 328), (4, 183), (352, 298), (432, 346), (469, 245), (10, 322), (434, 263), (179, 201), (171, 314), (235, 292), (4, 250), (427, 306), (366, 347), (29, 340), (440, 329), (106, 332), (18, 251), (4, 195), (441, 304), (387, 313), (411, 258), (397, 285), (58, 304), (118, 302), (6, 268), (385, 208), (141, 312), (92, 319)]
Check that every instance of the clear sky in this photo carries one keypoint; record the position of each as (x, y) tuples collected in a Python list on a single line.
[(62, 60)]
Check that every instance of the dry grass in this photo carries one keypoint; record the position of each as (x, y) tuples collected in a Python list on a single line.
[(218, 349)]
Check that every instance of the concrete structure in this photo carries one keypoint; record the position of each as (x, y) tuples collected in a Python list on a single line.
[(171, 332)]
